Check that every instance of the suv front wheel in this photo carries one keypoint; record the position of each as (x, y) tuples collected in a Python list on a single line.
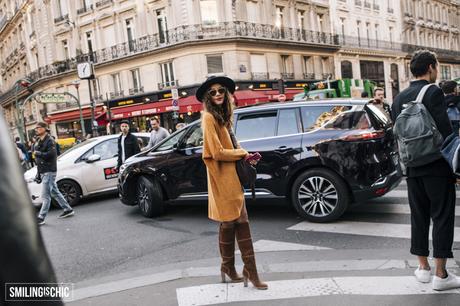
[(149, 197), (319, 195)]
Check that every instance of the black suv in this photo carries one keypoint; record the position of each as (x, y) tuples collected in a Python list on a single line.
[(320, 155)]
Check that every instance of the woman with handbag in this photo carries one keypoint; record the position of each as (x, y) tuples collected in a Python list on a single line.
[(226, 195)]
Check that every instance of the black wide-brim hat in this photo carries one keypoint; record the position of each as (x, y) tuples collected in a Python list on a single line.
[(222, 80)]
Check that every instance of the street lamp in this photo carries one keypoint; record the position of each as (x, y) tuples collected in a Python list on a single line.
[(76, 83), (20, 122)]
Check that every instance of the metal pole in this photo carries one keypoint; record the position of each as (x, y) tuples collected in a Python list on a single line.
[(109, 112), (93, 127), (82, 122), (19, 115)]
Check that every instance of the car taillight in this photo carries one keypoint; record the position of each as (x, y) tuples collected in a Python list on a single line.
[(368, 135)]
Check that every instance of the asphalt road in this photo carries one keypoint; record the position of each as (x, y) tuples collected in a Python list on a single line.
[(107, 238)]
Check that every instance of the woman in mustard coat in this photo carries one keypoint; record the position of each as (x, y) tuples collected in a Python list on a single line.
[(226, 195)]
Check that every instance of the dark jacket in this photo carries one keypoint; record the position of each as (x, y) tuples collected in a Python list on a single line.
[(435, 103), (46, 158), (454, 100), (23, 257), (131, 147)]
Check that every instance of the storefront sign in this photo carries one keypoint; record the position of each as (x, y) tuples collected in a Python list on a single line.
[(262, 86), (52, 98), (164, 96), (124, 103), (149, 111)]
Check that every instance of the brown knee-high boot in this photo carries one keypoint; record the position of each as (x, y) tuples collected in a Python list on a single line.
[(243, 236), (227, 252)]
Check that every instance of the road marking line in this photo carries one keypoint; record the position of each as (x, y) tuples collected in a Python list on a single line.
[(279, 246), (391, 230), (286, 289), (387, 209)]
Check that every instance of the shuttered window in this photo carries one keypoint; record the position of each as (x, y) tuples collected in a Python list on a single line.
[(214, 63)]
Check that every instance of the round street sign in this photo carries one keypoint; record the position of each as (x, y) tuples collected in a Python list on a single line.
[(281, 97)]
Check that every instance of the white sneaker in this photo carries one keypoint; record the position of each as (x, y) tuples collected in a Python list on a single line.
[(450, 282), (423, 276)]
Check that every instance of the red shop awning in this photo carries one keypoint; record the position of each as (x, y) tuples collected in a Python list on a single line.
[(74, 114), (249, 97)]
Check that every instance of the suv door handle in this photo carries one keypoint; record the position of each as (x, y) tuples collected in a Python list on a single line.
[(283, 150)]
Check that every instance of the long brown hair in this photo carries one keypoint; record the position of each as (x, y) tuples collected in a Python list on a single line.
[(222, 113)]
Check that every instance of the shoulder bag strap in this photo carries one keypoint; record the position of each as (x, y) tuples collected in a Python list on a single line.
[(422, 92)]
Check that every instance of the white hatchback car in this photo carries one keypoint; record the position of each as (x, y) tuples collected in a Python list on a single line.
[(86, 169)]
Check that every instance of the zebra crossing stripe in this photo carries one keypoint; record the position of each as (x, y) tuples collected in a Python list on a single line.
[(286, 289), (380, 208), (391, 230)]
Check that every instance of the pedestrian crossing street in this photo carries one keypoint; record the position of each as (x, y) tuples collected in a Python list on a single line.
[(393, 203)]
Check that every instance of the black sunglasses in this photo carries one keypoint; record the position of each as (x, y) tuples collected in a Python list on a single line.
[(221, 91)]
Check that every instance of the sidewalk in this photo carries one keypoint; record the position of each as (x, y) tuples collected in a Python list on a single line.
[(319, 277)]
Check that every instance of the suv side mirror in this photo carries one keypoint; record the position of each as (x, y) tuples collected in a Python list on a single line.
[(93, 158)]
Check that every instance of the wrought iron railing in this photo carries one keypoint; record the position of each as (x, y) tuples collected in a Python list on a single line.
[(287, 76), (367, 4), (103, 3), (374, 44), (259, 75), (85, 9), (358, 2), (135, 91), (61, 18), (116, 94), (327, 75), (376, 6), (169, 84), (309, 75), (408, 48), (390, 10)]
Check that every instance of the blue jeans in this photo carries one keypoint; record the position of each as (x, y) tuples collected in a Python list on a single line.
[(50, 189)]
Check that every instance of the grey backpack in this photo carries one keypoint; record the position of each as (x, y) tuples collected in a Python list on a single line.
[(419, 141)]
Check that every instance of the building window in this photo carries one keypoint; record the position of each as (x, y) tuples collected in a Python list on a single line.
[(130, 33), (89, 41), (308, 68), (279, 20), (320, 22), (136, 77), (342, 24), (300, 19), (391, 34), (116, 83), (368, 33), (252, 11), (62, 7), (376, 32), (347, 70), (358, 26), (214, 63), (259, 67), (167, 74), (209, 13), (445, 72), (65, 49), (162, 25)]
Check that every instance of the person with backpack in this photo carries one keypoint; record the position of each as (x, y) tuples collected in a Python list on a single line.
[(421, 124), (453, 103)]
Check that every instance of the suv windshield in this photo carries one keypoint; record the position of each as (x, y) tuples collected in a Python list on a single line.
[(169, 143), (79, 145)]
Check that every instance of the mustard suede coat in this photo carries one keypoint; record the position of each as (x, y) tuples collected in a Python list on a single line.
[(225, 194)]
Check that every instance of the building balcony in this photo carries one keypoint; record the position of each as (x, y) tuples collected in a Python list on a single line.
[(61, 18), (358, 3), (259, 75), (98, 98), (168, 85), (390, 10), (376, 7), (103, 3), (309, 75), (367, 4), (372, 44), (117, 94), (239, 31), (85, 9), (135, 91), (327, 75), (287, 75), (441, 53)]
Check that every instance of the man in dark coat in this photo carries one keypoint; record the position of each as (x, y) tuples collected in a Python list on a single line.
[(127, 144), (431, 187), (46, 157)]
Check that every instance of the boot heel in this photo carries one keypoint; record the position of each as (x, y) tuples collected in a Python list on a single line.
[(245, 280), (222, 275)]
